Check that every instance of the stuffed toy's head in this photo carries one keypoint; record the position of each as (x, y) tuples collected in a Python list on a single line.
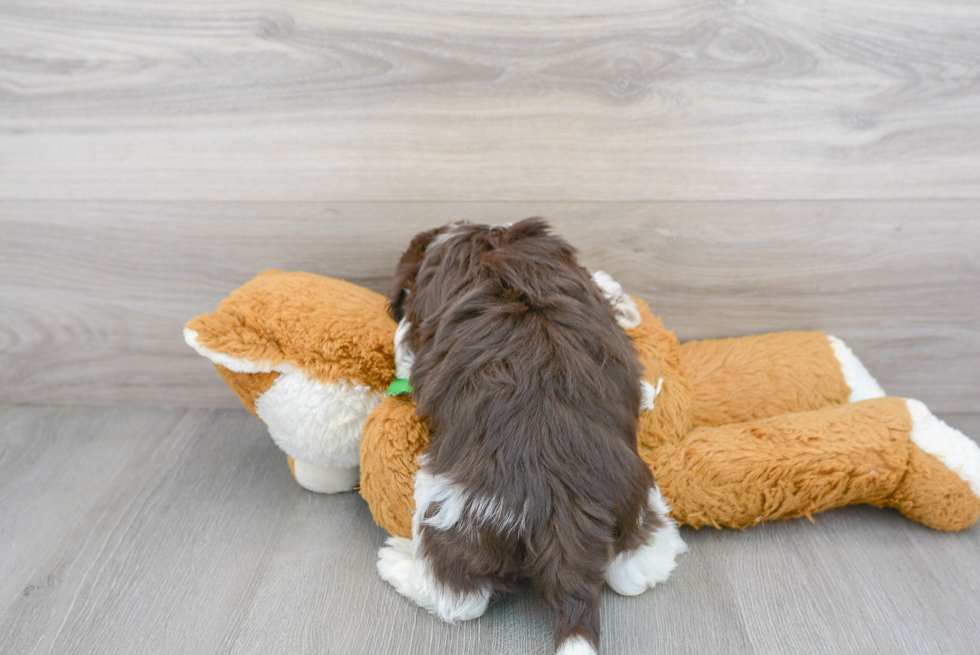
[(310, 356)]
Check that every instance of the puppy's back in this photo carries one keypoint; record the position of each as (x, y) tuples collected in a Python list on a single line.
[(532, 393)]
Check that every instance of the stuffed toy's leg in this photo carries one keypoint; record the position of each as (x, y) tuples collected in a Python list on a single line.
[(290, 416), (747, 378), (887, 452), (393, 439)]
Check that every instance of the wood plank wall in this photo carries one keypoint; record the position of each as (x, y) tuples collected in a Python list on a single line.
[(745, 166)]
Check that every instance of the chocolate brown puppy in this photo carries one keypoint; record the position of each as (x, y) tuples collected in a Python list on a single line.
[(531, 389)]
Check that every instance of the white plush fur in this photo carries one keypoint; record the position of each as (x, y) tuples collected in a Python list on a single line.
[(317, 424), (649, 393), (320, 424), (624, 307), (402, 565), (863, 385), (236, 364), (576, 646), (954, 449), (631, 573), (329, 480)]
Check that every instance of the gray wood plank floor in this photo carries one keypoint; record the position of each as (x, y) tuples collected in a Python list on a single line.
[(180, 531)]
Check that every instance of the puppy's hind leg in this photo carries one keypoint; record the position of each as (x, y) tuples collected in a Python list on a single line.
[(412, 576), (416, 567), (637, 568)]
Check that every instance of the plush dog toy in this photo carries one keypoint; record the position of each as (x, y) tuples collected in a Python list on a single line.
[(736, 431)]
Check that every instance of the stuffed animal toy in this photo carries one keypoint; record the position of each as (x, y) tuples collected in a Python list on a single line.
[(736, 431)]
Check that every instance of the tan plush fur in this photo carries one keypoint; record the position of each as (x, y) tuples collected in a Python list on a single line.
[(930, 495), (248, 386), (785, 466), (659, 352), (743, 431), (330, 329), (748, 378), (393, 440)]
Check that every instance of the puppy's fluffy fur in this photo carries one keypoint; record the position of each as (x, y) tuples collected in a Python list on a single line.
[(531, 391)]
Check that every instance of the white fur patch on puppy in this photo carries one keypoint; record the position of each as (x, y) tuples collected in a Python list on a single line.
[(404, 355), (631, 573), (396, 566), (863, 385), (958, 452), (443, 237), (627, 314), (453, 500), (648, 393), (576, 646)]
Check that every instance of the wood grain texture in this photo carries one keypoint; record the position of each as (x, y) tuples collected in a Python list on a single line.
[(94, 294), (193, 538), (470, 100), (53, 468)]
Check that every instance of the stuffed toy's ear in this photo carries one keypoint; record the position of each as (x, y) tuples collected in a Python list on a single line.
[(309, 355)]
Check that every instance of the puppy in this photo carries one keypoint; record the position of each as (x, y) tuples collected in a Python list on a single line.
[(531, 390)]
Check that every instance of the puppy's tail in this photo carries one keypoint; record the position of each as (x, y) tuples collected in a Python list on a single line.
[(576, 624), (569, 565)]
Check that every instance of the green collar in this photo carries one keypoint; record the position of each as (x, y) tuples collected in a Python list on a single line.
[(399, 387)]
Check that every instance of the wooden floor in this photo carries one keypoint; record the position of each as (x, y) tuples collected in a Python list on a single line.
[(181, 531)]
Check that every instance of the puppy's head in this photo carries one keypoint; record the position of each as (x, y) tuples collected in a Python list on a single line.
[(460, 246)]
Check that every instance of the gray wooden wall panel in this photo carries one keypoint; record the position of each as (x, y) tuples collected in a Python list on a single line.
[(94, 294), (472, 100)]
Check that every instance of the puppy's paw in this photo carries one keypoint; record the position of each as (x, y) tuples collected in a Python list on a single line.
[(633, 572), (411, 578), (396, 566)]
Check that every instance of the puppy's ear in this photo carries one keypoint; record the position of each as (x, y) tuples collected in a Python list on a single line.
[(535, 226), (408, 268)]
